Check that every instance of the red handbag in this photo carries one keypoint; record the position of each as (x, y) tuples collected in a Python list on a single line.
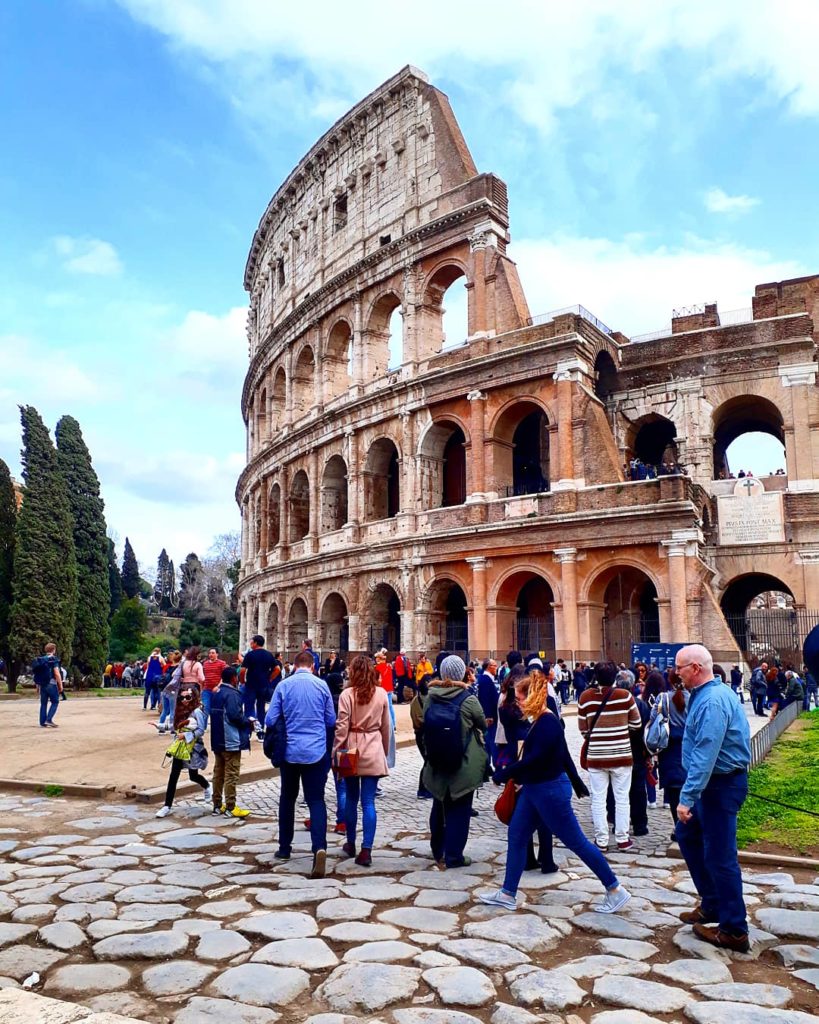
[(347, 758), (505, 804)]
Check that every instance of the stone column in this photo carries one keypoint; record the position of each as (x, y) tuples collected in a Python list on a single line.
[(477, 407), (477, 307), (312, 614), (567, 559), (358, 342), (289, 394), (480, 640), (568, 372), (800, 380), (263, 534), (354, 481), (315, 500), (284, 512), (809, 560), (677, 590), (409, 484), (318, 377)]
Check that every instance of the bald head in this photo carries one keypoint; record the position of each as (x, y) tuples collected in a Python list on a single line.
[(694, 665)]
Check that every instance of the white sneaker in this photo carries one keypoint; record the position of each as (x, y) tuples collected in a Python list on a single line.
[(499, 898), (615, 898), (163, 812), (652, 807), (208, 795)]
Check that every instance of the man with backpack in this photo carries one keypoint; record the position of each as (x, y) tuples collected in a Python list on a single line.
[(453, 731), (49, 681)]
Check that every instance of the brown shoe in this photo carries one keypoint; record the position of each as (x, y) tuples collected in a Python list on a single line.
[(319, 864), (696, 916), (717, 937)]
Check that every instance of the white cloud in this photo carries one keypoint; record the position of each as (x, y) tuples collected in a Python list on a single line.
[(210, 339), (89, 256), (633, 286), (718, 201), (33, 373)]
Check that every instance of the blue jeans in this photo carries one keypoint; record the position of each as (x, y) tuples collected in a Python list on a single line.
[(255, 703), (313, 778), (341, 798), (709, 844), (549, 805), (206, 699), (151, 693), (48, 692), (167, 710), (365, 786)]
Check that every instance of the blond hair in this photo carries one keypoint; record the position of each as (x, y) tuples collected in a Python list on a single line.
[(535, 704)]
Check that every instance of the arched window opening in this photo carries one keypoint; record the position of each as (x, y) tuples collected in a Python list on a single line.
[(334, 630), (299, 507), (630, 612), (446, 310), (278, 398), (653, 448), (381, 481), (257, 526), (304, 381), (385, 336), (384, 626), (334, 495), (338, 359), (261, 418), (443, 466), (521, 450), (449, 617), (761, 614), (297, 625), (395, 345), (605, 375), (454, 469), (737, 426), (274, 516), (272, 628), (536, 618)]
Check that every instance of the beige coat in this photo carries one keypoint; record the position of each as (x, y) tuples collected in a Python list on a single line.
[(366, 727)]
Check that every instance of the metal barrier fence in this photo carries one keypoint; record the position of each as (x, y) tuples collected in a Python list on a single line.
[(762, 742)]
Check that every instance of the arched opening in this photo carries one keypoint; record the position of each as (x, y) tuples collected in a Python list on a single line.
[(304, 381), (334, 495), (653, 447), (448, 616), (274, 516), (262, 435), (761, 614), (629, 612), (278, 398), (381, 481), (443, 466), (384, 626), (521, 449), (272, 628), (525, 613), (299, 507), (337, 367), (737, 425), (257, 525), (446, 310), (605, 375), (335, 632), (297, 625), (385, 344)]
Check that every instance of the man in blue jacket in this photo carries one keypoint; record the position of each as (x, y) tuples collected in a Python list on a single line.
[(716, 754), (229, 736)]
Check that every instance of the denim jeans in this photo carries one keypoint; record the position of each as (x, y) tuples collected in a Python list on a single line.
[(207, 696), (549, 804), (152, 694), (167, 710), (313, 778), (48, 692), (341, 798), (365, 787), (449, 828), (758, 700), (709, 844), (255, 703)]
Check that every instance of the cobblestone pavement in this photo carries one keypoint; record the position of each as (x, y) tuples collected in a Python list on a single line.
[(191, 919)]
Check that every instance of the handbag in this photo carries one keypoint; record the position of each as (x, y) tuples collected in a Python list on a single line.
[(659, 728), (584, 750), (180, 749), (347, 758), (505, 804)]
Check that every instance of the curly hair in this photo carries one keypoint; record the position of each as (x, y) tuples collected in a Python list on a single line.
[(363, 678), (535, 704)]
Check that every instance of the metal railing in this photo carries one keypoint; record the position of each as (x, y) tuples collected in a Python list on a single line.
[(762, 742), (727, 319), (581, 311)]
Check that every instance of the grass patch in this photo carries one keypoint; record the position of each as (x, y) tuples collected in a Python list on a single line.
[(51, 790), (114, 691), (787, 774)]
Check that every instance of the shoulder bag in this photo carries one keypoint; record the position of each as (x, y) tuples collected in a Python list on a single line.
[(505, 804), (347, 758), (584, 750)]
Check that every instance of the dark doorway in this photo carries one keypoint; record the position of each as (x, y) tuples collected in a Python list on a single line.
[(454, 470), (456, 623), (530, 458), (535, 624)]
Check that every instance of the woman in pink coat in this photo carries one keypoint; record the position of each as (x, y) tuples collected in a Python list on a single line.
[(363, 725)]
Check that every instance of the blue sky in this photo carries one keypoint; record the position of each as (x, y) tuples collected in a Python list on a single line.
[(655, 158)]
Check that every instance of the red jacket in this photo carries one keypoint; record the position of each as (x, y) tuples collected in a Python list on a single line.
[(385, 671)]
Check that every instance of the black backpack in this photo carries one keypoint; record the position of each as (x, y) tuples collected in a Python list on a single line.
[(445, 751)]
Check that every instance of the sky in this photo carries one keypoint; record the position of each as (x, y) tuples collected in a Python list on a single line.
[(657, 156)]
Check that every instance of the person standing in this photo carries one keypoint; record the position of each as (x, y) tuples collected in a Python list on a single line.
[(606, 715), (229, 736), (153, 674), (673, 708), (212, 669), (811, 691), (364, 725), (737, 683), (402, 676), (307, 645), (334, 664), (304, 702), (189, 723), (453, 729), (423, 668), (257, 668), (49, 681), (488, 697), (716, 755), (759, 689)]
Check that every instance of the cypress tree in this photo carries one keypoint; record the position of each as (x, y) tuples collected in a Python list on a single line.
[(114, 579), (130, 571), (45, 566), (173, 593), (90, 546), (8, 518), (162, 587)]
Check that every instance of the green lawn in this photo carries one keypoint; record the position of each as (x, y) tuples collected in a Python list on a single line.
[(787, 774)]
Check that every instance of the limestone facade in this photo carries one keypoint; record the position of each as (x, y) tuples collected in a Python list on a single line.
[(472, 495)]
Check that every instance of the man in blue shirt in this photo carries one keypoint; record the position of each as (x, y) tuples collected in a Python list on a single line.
[(49, 681), (716, 754), (304, 702)]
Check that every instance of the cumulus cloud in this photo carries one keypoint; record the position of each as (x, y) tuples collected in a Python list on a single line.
[(35, 373), (203, 337), (89, 256), (718, 201)]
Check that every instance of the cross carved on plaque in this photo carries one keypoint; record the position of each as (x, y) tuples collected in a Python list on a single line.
[(748, 484)]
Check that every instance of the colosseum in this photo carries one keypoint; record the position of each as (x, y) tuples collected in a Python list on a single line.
[(541, 482)]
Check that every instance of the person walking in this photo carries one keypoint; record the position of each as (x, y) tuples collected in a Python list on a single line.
[(453, 729), (716, 755), (49, 681), (673, 708), (229, 736), (737, 683), (304, 702), (606, 715), (363, 725), (811, 691), (545, 801), (759, 689), (189, 724), (402, 676), (153, 674), (169, 681), (257, 668), (212, 669)]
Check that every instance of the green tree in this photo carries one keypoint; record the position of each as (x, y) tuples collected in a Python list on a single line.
[(8, 519), (130, 572), (114, 579), (128, 628), (164, 584), (90, 546), (45, 566), (192, 583)]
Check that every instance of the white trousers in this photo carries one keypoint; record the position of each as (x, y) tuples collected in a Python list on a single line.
[(598, 786)]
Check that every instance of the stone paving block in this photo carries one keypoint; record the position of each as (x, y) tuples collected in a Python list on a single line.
[(549, 989), (285, 925), (141, 946), (310, 954), (526, 932), (736, 992), (262, 984), (491, 955), (19, 961), (421, 918), (741, 1013), (798, 954), (595, 966), (464, 986), (694, 972), (342, 909), (175, 977), (799, 924), (63, 935), (638, 994), (221, 945), (13, 933), (86, 979), (368, 987), (200, 1010)]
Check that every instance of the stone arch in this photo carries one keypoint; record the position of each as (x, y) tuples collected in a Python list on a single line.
[(278, 397), (382, 471), (297, 624), (334, 495), (442, 464), (334, 630), (262, 422), (304, 380), (623, 603), (257, 524), (272, 627), (274, 516), (382, 627), (437, 329), (384, 348), (521, 449), (446, 603), (337, 365), (606, 380), (740, 415), (299, 507), (653, 440), (771, 628), (524, 601)]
